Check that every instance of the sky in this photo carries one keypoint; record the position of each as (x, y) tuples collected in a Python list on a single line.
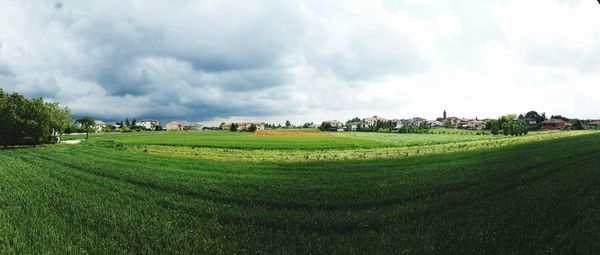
[(306, 61)]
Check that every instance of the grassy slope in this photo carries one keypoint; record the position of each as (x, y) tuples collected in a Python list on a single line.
[(531, 198)]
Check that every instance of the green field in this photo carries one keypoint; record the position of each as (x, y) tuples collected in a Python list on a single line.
[(305, 192)]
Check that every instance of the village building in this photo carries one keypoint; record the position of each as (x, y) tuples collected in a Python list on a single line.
[(554, 124), (476, 124), (243, 126), (531, 121), (436, 124), (174, 126), (354, 126), (99, 126), (148, 124), (371, 121), (192, 127), (594, 124)]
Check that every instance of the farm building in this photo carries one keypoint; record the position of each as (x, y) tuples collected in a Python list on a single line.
[(175, 126), (554, 124)]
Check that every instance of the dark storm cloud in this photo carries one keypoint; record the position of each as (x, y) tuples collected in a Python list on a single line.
[(191, 60)]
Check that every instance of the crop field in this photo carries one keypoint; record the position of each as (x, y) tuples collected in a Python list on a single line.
[(287, 139), (299, 192)]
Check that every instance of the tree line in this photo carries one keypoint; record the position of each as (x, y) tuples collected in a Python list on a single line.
[(33, 121)]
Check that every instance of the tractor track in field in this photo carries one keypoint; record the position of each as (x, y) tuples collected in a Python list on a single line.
[(329, 228)]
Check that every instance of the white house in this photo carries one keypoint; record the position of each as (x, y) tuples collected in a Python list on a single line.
[(148, 124), (99, 126), (436, 124), (371, 121)]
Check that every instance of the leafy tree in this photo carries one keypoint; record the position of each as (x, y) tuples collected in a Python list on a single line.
[(307, 125), (493, 126), (288, 123), (127, 123), (354, 120), (325, 126), (134, 123), (86, 122), (578, 124), (30, 121), (252, 128), (233, 127), (59, 120)]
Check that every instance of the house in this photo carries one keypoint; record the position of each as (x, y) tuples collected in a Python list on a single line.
[(354, 126), (192, 127), (553, 124), (371, 121), (531, 121), (148, 124), (436, 124), (175, 126), (243, 126), (99, 126), (594, 124), (398, 123), (462, 123), (416, 121), (476, 124)]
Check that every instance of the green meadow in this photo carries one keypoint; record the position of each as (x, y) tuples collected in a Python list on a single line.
[(299, 192)]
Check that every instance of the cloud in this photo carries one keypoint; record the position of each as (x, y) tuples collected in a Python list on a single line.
[(206, 59), (214, 60), (563, 35)]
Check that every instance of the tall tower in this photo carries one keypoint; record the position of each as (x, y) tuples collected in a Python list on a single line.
[(444, 114)]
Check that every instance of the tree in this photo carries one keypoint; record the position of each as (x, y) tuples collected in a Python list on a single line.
[(325, 126), (134, 123), (252, 128), (288, 123), (578, 124), (233, 127), (30, 121), (127, 124), (307, 125), (87, 123), (353, 120), (59, 120)]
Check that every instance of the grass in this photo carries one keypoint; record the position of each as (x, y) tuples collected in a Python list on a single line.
[(287, 140), (537, 195)]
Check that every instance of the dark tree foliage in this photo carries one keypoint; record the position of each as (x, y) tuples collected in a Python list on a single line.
[(234, 127), (325, 126), (354, 120), (539, 118), (252, 128), (578, 124), (421, 128), (508, 125), (307, 125), (288, 123), (30, 121)]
